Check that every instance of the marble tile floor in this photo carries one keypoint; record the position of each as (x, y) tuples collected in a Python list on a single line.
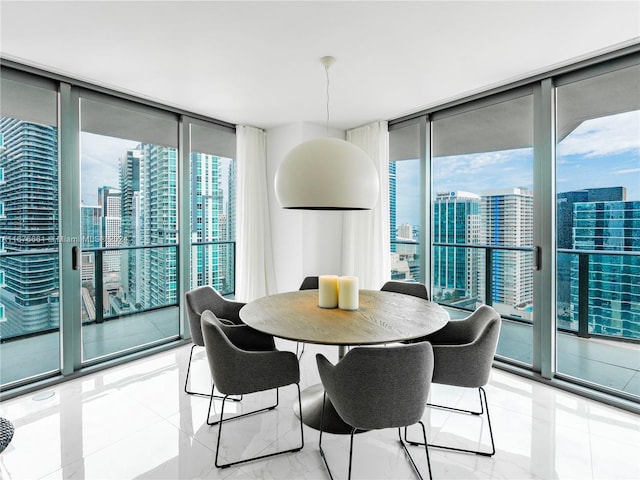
[(135, 421)]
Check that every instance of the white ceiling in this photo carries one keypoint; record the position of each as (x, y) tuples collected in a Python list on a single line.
[(258, 62)]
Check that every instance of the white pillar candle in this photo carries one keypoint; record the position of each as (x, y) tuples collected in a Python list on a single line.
[(348, 293), (328, 291)]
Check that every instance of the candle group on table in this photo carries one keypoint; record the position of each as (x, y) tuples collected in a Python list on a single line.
[(334, 291)]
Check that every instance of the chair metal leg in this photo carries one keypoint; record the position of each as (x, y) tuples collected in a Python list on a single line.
[(227, 397), (484, 405), (353, 432), (221, 421), (426, 448), (189, 392)]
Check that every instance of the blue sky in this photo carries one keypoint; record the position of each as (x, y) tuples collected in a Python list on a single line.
[(603, 152), (100, 158)]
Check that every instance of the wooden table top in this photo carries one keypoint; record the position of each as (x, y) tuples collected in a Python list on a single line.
[(383, 317)]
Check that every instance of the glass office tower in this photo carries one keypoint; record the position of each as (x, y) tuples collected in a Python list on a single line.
[(28, 221), (209, 222), (507, 220), (456, 219), (614, 280)]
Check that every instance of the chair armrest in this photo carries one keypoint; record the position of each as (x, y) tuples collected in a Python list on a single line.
[(461, 365), (268, 370), (231, 311)]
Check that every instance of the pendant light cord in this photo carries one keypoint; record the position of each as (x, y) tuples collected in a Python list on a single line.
[(326, 71)]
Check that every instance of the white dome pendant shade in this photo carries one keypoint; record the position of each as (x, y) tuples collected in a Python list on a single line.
[(327, 174)]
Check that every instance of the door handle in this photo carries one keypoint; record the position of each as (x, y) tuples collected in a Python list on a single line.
[(75, 258), (537, 258)]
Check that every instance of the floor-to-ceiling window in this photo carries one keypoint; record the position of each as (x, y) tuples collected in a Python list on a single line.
[(598, 226), (405, 211), (533, 206), (212, 189), (482, 204), (29, 257), (128, 206), (94, 246)]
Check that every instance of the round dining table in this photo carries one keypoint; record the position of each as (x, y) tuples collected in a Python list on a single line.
[(382, 317)]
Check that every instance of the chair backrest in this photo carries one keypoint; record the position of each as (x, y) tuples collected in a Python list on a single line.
[(379, 387), (309, 283), (484, 323), (207, 298), (196, 302), (222, 355), (408, 288), (240, 365)]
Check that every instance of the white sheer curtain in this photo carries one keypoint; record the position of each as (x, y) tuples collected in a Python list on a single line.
[(255, 275), (365, 245)]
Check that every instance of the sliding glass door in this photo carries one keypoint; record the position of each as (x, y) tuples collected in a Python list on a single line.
[(598, 227), (29, 230), (482, 213), (129, 226), (532, 199)]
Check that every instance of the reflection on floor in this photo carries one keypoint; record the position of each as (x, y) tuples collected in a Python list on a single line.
[(135, 421), (610, 363)]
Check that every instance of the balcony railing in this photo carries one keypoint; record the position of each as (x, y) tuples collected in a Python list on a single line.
[(154, 272), (618, 303)]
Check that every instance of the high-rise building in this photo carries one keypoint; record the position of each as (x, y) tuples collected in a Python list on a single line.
[(110, 202), (91, 231), (566, 200), (131, 261), (507, 220), (208, 222), (158, 211), (29, 221), (564, 235), (614, 280), (456, 219), (392, 205)]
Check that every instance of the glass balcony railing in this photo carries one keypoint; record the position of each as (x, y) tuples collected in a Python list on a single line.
[(598, 291), (122, 281), (468, 275), (214, 263)]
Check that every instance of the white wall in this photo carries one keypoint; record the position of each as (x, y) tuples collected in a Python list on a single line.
[(304, 242)]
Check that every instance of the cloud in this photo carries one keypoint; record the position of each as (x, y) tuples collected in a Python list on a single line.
[(100, 160), (603, 136), (626, 171)]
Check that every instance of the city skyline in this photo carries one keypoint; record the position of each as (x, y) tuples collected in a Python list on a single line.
[(602, 152)]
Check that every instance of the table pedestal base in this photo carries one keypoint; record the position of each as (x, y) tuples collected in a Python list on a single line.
[(311, 399)]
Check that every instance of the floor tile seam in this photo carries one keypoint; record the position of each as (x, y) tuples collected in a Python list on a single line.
[(591, 358), (74, 460), (110, 444), (114, 444), (145, 405), (614, 422), (629, 384)]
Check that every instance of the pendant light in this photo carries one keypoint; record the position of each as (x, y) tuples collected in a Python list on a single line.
[(327, 173)]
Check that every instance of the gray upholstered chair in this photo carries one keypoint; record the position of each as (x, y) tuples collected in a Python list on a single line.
[(379, 387), (239, 368), (463, 354), (6, 433), (309, 283), (408, 288), (197, 301)]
